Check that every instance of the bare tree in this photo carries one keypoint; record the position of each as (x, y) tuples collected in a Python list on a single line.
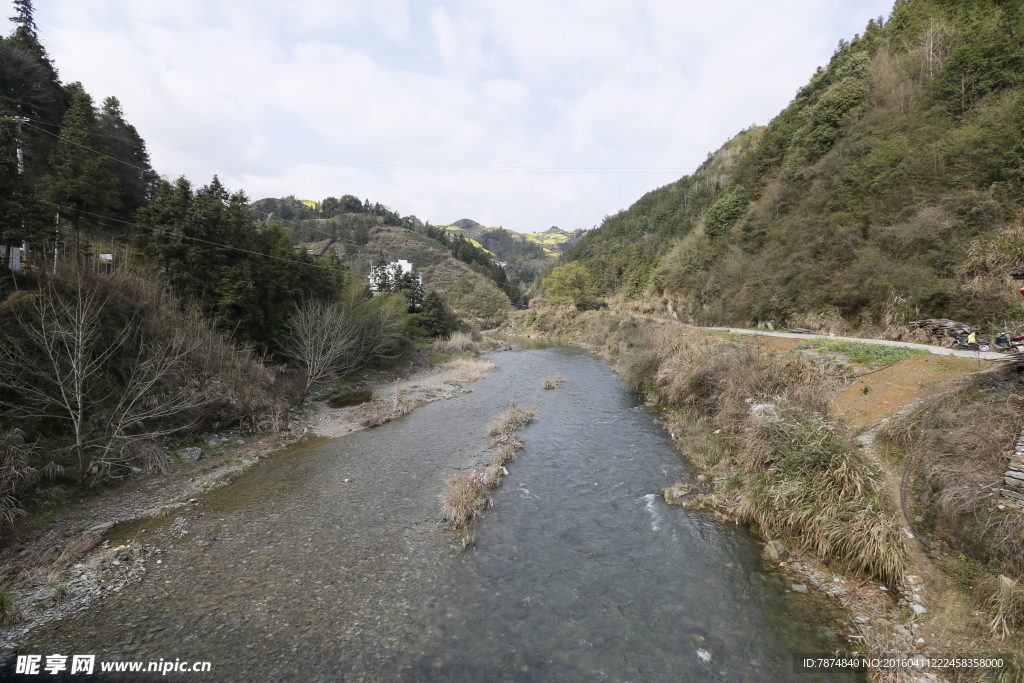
[(59, 362), (56, 365), (332, 340), (324, 339)]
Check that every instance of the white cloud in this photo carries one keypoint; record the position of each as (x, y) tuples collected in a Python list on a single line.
[(457, 83)]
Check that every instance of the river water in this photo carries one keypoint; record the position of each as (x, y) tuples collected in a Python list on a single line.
[(580, 571)]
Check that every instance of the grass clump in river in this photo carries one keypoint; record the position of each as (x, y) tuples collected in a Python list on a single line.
[(509, 421), (861, 352), (553, 382), (465, 495)]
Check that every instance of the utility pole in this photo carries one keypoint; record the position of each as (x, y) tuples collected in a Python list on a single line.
[(21, 170)]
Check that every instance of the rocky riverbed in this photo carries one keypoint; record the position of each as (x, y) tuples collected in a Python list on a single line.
[(67, 566)]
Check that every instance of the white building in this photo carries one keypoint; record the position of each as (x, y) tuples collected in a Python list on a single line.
[(387, 273)]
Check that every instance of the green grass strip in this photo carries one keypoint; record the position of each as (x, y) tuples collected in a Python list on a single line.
[(860, 352)]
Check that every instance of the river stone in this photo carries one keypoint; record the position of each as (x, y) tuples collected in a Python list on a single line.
[(672, 494), (100, 528), (798, 588), (190, 454), (775, 552), (918, 608)]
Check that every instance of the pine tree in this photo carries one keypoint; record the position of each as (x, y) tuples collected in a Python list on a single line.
[(82, 184), (26, 34), (137, 179), (437, 320)]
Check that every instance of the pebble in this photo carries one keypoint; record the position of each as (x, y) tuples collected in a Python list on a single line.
[(798, 588), (918, 609), (862, 620)]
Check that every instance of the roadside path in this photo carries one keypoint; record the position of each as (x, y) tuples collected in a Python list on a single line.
[(937, 350)]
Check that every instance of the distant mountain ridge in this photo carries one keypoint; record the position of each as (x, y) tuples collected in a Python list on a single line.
[(551, 242)]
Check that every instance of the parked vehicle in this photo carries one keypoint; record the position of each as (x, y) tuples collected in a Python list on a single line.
[(972, 342), (1008, 342)]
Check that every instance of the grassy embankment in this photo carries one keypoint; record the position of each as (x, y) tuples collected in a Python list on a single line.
[(757, 426), (959, 439)]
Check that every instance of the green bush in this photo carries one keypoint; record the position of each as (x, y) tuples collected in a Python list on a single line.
[(724, 213)]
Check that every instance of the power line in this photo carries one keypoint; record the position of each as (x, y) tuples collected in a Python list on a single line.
[(189, 237), (61, 137), (94, 151), (225, 246), (384, 165)]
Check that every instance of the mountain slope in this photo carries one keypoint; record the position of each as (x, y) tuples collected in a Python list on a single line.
[(889, 188)]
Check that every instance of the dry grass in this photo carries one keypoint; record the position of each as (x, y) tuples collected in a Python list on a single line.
[(399, 405), (462, 502), (148, 456), (42, 558), (457, 342), (466, 370), (9, 614), (510, 420), (18, 477), (964, 434), (465, 496), (553, 382), (1005, 605), (508, 453), (463, 342), (828, 321)]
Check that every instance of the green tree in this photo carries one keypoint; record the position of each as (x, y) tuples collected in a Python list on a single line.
[(438, 320), (23, 218), (248, 279), (724, 213), (82, 182), (571, 284), (136, 178)]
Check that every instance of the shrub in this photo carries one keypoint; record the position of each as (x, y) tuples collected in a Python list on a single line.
[(725, 212)]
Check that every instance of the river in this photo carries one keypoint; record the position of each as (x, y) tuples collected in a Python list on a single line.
[(579, 573)]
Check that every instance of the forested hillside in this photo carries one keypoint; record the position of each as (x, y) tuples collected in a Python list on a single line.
[(890, 188), (136, 310), (363, 234)]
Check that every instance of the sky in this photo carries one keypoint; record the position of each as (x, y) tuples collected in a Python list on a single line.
[(523, 114)]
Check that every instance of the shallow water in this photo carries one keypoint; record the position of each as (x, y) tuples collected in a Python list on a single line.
[(580, 571)]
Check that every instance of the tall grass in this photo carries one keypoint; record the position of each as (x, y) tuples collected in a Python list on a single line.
[(513, 418), (466, 370), (457, 342), (758, 424), (964, 434)]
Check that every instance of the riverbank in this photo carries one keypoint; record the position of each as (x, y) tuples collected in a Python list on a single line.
[(56, 567), (782, 431), (329, 560)]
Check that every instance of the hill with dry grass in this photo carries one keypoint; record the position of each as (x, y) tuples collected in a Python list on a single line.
[(889, 189)]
